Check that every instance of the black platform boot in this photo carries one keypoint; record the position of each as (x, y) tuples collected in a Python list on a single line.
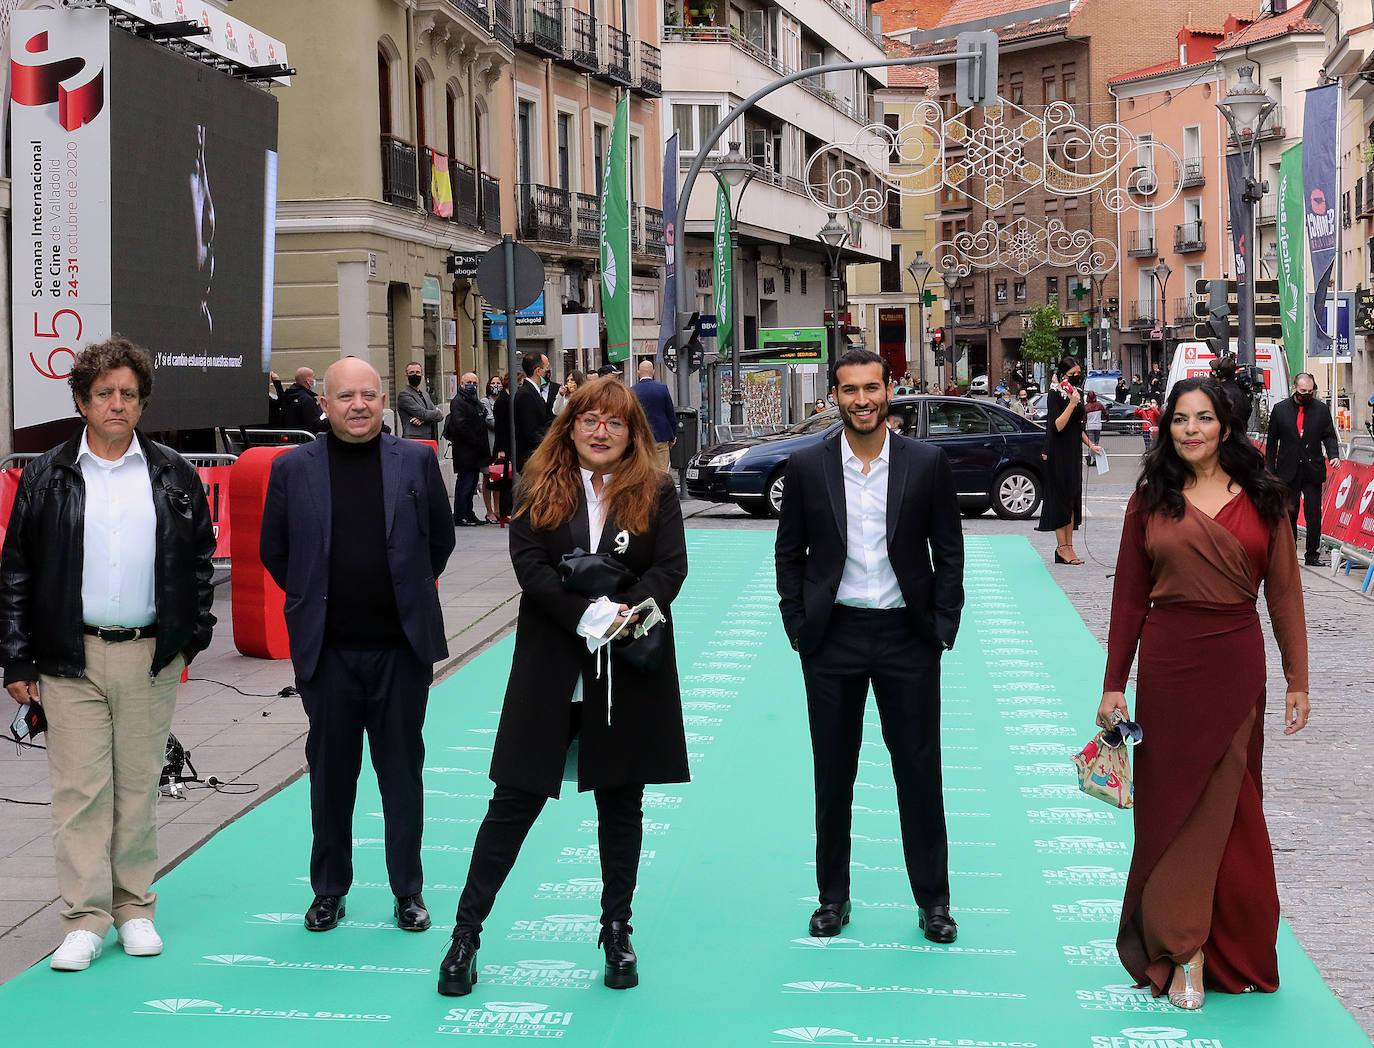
[(458, 970), (622, 969)]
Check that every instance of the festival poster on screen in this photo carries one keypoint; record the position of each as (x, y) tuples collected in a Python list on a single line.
[(60, 154)]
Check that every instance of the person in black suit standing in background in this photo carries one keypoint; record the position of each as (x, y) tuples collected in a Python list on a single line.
[(870, 567), (355, 530), (1300, 428), (533, 412)]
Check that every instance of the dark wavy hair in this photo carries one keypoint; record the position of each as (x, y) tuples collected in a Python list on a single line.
[(1163, 473), (100, 357)]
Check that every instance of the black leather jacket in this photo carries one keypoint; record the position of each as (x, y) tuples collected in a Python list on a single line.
[(40, 568)]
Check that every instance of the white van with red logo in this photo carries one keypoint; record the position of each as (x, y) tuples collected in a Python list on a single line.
[(1194, 359)]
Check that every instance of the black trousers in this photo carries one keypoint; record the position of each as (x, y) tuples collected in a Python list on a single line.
[(382, 694), (511, 813), (464, 488), (863, 646), (1310, 492)]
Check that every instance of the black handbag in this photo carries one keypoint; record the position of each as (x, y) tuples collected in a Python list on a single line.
[(601, 575)]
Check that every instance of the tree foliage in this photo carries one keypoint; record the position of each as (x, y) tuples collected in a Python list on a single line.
[(1041, 343)]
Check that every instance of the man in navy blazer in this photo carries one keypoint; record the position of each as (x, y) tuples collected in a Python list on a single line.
[(658, 409), (355, 530)]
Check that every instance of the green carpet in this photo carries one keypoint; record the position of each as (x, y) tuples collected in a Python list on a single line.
[(727, 882)]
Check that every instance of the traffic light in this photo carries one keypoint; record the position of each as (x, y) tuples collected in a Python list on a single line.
[(1221, 315), (689, 337)]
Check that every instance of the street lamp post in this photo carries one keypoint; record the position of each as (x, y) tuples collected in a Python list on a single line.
[(920, 271), (1099, 277), (1246, 108), (951, 279), (834, 235), (1161, 273), (735, 173)]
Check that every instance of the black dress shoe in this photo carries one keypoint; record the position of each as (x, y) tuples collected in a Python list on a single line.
[(829, 918), (1316, 562), (325, 912), (938, 925), (458, 969), (411, 915), (622, 966)]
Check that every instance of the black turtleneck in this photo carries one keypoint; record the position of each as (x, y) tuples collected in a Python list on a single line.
[(361, 609)]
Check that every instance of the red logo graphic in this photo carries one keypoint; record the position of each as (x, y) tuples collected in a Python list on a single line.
[(78, 101), (1318, 202)]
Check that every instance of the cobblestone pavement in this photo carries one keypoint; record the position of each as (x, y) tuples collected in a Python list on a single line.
[(1317, 802)]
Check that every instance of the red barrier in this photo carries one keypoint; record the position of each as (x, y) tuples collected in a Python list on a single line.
[(433, 444), (9, 487), (216, 481), (1348, 508), (259, 621)]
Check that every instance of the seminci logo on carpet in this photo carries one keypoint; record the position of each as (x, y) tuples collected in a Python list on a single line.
[(199, 1007), (506, 1019), (541, 974), (1154, 1037)]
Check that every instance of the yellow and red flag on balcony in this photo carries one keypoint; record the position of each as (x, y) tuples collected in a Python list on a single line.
[(440, 186)]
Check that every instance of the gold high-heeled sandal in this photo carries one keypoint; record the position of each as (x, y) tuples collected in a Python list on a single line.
[(1189, 998)]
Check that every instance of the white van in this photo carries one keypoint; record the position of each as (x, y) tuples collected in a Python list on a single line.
[(1193, 359)]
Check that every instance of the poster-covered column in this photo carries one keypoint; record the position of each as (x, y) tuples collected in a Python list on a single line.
[(60, 243)]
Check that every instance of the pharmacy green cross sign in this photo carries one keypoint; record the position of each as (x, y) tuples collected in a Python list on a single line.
[(928, 298), (1078, 292)]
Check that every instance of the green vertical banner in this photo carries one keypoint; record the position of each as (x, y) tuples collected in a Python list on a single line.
[(724, 286), (1292, 236), (615, 236)]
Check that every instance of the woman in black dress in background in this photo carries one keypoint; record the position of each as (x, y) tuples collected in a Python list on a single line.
[(1065, 438)]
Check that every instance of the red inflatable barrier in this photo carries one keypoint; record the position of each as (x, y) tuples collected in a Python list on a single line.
[(433, 444), (259, 622), (216, 481), (9, 487)]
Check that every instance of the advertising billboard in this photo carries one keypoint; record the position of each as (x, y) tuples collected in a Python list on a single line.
[(147, 209)]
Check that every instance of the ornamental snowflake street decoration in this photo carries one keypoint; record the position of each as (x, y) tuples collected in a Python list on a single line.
[(1021, 246)]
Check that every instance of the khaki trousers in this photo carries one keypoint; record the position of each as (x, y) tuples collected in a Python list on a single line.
[(107, 743), (661, 454)]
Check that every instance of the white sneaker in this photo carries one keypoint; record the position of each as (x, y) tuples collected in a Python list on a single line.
[(77, 951), (139, 938)]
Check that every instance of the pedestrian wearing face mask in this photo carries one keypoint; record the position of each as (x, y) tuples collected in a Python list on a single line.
[(466, 431), (418, 416), (1300, 429), (300, 408)]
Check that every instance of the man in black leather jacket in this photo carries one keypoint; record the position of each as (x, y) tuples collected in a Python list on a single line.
[(105, 596)]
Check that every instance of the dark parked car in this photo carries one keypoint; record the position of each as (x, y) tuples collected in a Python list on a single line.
[(995, 455), (1121, 418)]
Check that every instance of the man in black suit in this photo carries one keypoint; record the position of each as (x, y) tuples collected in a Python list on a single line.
[(532, 411), (355, 530), (1299, 429), (870, 564)]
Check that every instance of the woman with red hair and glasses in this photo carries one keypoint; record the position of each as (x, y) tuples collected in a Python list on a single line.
[(592, 485)]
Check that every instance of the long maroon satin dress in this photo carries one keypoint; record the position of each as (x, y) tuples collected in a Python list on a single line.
[(1202, 872)]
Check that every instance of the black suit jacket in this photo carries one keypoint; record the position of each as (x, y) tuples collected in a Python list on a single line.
[(645, 741), (925, 540), (296, 529), (1298, 459), (532, 417)]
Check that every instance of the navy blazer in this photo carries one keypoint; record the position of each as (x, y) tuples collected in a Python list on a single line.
[(658, 408), (925, 540), (296, 531)]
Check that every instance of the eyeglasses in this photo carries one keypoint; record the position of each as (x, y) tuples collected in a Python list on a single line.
[(589, 424)]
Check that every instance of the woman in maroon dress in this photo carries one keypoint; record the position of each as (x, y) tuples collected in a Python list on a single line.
[(1204, 528)]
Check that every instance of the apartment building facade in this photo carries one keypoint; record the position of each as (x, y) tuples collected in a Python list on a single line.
[(512, 100), (1055, 52), (715, 55)]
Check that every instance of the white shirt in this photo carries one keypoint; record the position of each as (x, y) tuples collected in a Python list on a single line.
[(601, 613), (868, 580), (120, 538)]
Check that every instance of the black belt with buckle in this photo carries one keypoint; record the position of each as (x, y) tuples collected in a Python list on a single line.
[(119, 634)]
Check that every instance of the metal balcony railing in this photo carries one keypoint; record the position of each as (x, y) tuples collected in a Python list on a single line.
[(1141, 313), (1189, 237), (636, 227), (398, 172), (650, 83), (464, 178), (653, 232), (1183, 309), (588, 220), (1193, 174), (580, 40), (712, 34), (476, 10), (539, 27), (1274, 127), (1267, 213), (502, 22), (615, 58), (1140, 242), (545, 213), (489, 199)]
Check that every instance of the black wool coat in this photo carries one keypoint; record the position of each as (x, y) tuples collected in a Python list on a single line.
[(645, 742)]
